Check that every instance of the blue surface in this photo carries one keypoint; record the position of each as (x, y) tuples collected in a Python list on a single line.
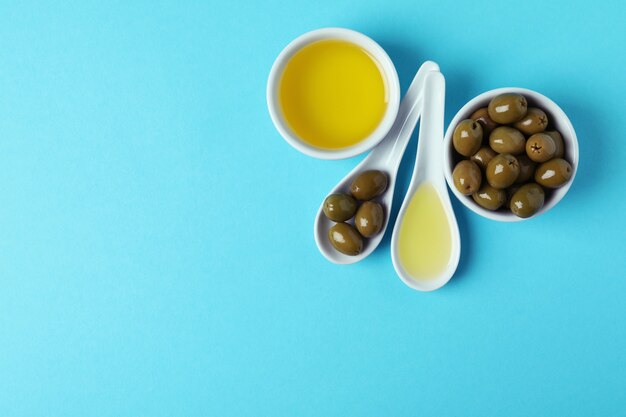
[(156, 249)]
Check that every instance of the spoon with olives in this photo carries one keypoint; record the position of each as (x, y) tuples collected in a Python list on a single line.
[(374, 177)]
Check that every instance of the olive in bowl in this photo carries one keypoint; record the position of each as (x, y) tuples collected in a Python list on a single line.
[(502, 171), (540, 147), (535, 121), (522, 117), (467, 177), (505, 139), (468, 136), (506, 108)]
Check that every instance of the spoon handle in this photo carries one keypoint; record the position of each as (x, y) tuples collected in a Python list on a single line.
[(428, 162), (389, 152)]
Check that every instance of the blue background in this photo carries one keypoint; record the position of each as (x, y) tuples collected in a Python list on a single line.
[(156, 248)]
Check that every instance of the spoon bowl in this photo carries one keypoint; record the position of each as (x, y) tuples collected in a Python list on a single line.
[(385, 157), (429, 170)]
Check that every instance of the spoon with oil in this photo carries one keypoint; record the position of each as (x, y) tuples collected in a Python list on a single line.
[(425, 244), (385, 157)]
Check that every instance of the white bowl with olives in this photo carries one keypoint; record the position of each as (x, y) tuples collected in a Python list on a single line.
[(510, 154)]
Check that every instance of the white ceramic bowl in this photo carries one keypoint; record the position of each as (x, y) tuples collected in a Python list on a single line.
[(387, 68), (558, 120)]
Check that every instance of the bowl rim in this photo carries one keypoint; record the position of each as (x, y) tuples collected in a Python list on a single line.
[(537, 99), (387, 69)]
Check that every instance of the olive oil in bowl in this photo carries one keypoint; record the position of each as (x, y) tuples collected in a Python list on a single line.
[(333, 94)]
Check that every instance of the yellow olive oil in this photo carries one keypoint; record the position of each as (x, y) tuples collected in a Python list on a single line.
[(425, 239), (333, 94)]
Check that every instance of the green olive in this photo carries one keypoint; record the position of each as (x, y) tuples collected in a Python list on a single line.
[(368, 185), (467, 137), (502, 171), (509, 194), (482, 116), (526, 169), (345, 239), (483, 156), (558, 142), (369, 219), (535, 121), (507, 108), (505, 139), (489, 197), (540, 147), (467, 177), (554, 173), (339, 207), (527, 200)]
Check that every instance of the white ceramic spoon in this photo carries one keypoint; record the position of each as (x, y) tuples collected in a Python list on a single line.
[(385, 157), (429, 169)]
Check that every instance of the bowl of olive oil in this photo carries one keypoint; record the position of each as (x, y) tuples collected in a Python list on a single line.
[(333, 93)]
